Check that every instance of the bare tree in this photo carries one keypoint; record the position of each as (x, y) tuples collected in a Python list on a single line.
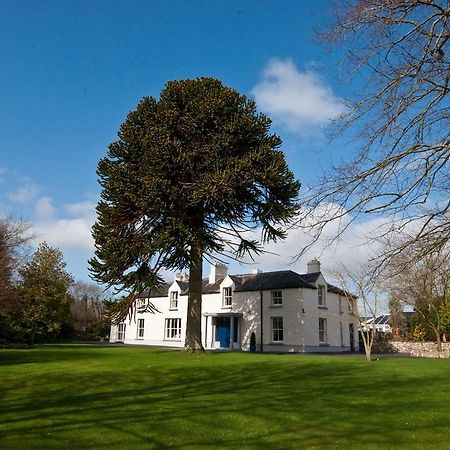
[(87, 308), (362, 294), (14, 236), (398, 53), (423, 285)]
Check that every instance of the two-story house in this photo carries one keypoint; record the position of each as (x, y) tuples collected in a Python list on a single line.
[(287, 312)]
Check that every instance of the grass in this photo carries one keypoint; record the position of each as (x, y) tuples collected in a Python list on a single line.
[(94, 397)]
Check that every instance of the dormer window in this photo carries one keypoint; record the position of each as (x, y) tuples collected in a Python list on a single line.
[(227, 297), (174, 300), (277, 298), (321, 296)]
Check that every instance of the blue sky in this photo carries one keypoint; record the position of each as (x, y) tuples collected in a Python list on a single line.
[(72, 70)]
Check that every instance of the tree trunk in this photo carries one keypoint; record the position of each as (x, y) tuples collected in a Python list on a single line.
[(193, 342), (438, 340), (368, 341)]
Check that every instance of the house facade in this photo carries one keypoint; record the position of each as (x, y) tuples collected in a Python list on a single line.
[(286, 311)]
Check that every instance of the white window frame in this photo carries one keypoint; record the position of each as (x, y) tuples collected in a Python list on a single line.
[(277, 298), (121, 330), (140, 329), (321, 296), (227, 297), (277, 331), (173, 300), (323, 333), (172, 329)]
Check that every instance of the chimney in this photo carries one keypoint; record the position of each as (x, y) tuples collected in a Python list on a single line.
[(313, 266), (218, 271), (181, 277)]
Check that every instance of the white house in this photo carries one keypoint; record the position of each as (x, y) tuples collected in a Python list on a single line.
[(287, 312)]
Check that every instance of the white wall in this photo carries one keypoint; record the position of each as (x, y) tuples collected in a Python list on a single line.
[(333, 316), (300, 312)]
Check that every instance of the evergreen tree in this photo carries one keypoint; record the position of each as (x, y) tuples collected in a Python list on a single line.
[(190, 175), (44, 294)]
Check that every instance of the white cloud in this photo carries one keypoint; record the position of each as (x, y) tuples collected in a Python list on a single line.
[(73, 233), (44, 209), (82, 209), (24, 194), (354, 248), (296, 100)]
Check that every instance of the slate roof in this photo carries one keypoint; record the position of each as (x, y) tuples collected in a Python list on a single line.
[(162, 291), (339, 291), (310, 277), (184, 286), (211, 288), (262, 281)]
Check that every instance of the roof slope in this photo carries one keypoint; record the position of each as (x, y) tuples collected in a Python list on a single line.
[(283, 279), (262, 281)]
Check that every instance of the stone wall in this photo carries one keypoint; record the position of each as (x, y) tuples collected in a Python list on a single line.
[(423, 349)]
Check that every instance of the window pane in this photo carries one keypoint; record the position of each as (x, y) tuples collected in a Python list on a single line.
[(173, 328), (121, 331), (321, 294), (140, 328), (227, 296), (277, 298), (174, 300), (277, 329), (322, 330)]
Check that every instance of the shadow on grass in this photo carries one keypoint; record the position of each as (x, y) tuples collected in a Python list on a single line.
[(160, 399)]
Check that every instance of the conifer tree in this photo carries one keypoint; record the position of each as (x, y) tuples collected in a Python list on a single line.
[(44, 307), (189, 177)]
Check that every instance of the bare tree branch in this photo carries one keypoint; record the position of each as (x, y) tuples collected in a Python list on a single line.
[(401, 49)]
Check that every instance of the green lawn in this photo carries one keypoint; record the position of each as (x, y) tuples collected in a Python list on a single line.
[(93, 397)]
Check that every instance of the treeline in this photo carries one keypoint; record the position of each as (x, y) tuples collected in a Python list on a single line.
[(39, 299)]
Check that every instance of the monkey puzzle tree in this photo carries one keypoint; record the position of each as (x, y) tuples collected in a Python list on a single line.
[(190, 176)]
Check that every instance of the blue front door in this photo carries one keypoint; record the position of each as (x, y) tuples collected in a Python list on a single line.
[(223, 331)]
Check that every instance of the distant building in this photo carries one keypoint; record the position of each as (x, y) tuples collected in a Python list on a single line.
[(383, 322), (286, 311)]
